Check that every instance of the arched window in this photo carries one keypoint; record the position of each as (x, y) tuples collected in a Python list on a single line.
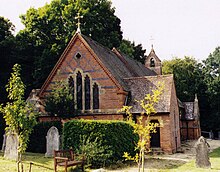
[(87, 92), (71, 85), (79, 90), (152, 62), (95, 96)]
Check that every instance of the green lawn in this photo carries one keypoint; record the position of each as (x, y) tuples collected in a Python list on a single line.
[(179, 166), (42, 164)]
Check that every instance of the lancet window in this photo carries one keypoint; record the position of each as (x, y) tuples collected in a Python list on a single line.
[(79, 90), (87, 92), (84, 92), (95, 96)]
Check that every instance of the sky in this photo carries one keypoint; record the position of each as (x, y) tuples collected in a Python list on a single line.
[(176, 28)]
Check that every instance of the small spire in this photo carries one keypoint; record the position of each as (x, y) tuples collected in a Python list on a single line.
[(78, 17)]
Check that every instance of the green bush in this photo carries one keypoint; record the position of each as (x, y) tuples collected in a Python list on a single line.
[(94, 151), (118, 136), (37, 140)]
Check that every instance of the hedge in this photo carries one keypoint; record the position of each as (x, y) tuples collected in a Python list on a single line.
[(37, 140), (118, 135)]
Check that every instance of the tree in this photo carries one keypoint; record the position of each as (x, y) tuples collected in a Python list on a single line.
[(134, 51), (6, 29), (7, 44), (60, 102), (19, 116), (48, 30), (187, 76), (211, 72), (144, 127)]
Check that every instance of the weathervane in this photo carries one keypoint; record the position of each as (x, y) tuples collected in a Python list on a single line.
[(78, 17)]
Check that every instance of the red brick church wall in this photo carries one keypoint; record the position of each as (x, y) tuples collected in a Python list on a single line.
[(111, 97)]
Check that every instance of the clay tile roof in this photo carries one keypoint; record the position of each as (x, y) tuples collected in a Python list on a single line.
[(117, 63), (141, 86)]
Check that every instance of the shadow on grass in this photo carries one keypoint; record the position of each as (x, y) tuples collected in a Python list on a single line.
[(150, 163), (153, 163), (36, 157)]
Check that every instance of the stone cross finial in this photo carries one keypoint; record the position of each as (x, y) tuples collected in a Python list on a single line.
[(152, 40), (78, 17)]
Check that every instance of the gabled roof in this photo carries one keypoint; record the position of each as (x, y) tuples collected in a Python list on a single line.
[(140, 86), (118, 64)]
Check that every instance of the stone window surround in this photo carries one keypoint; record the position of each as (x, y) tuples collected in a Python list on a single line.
[(74, 74)]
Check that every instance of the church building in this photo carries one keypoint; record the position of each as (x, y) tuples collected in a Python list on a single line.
[(105, 80)]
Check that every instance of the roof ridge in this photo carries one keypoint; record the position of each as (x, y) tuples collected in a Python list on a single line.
[(106, 48), (122, 58)]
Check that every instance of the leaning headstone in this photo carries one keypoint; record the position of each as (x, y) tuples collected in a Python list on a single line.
[(53, 141), (202, 153), (11, 147)]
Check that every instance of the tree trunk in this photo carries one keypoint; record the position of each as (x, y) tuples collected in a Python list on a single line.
[(142, 160)]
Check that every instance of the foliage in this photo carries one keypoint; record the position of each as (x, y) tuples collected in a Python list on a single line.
[(144, 126), (6, 29), (187, 76), (48, 30), (134, 51), (118, 136), (19, 116), (60, 101), (7, 44), (38, 136), (94, 151), (192, 77), (211, 72)]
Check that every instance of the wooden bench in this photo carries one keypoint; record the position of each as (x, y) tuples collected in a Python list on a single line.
[(67, 158)]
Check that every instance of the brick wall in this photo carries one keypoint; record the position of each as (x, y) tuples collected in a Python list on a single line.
[(111, 95)]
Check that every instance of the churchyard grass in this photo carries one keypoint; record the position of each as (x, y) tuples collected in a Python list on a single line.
[(42, 164), (189, 166)]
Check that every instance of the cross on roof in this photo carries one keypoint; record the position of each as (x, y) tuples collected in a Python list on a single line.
[(78, 17), (152, 40)]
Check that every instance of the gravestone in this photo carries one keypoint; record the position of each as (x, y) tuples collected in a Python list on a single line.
[(11, 147), (53, 141), (202, 153)]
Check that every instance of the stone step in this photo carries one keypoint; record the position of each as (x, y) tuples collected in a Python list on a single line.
[(157, 151)]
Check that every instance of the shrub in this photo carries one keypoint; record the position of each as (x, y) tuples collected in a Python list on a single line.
[(116, 135), (94, 151), (37, 141)]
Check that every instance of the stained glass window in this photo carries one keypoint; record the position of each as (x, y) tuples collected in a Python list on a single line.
[(95, 96), (87, 92), (79, 90)]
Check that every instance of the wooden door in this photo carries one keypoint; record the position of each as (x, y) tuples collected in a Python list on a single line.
[(155, 137)]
